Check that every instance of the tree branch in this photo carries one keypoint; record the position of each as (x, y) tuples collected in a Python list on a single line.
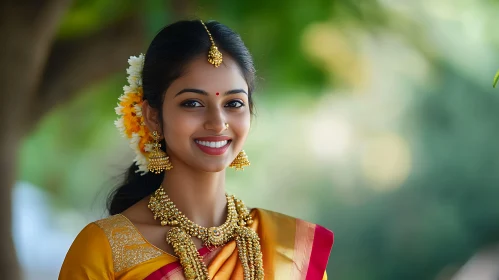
[(77, 63)]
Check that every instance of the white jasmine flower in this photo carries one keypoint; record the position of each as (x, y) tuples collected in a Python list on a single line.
[(120, 125), (118, 110), (148, 147), (138, 109), (134, 86)]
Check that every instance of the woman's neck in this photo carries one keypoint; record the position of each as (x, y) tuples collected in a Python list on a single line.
[(199, 195)]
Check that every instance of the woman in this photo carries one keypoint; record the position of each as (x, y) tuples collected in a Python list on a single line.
[(187, 112)]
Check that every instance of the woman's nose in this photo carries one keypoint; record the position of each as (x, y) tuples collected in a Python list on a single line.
[(215, 122)]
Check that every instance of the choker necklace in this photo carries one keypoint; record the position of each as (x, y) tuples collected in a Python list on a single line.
[(183, 229)]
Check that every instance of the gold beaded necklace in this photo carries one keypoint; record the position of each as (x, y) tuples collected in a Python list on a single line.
[(183, 229)]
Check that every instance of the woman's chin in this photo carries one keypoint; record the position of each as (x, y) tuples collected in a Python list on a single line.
[(213, 167)]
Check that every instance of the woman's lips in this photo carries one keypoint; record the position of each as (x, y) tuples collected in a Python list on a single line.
[(213, 145)]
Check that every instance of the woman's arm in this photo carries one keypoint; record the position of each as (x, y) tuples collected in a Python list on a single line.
[(89, 257)]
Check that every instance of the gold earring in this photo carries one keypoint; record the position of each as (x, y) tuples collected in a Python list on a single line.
[(158, 160), (240, 161)]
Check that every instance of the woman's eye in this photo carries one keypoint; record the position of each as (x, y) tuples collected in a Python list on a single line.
[(191, 104), (235, 104)]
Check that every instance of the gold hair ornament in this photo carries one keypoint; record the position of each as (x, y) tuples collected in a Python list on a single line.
[(214, 55)]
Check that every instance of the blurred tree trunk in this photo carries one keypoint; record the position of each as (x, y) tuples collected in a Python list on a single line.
[(38, 72), (28, 30)]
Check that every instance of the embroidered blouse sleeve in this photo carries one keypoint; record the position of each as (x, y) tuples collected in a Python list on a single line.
[(89, 257)]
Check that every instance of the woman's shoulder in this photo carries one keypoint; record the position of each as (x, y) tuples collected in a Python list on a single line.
[(107, 231), (117, 238), (278, 225), (111, 224), (304, 245), (281, 225), (98, 234), (128, 246), (99, 237), (89, 257), (281, 220)]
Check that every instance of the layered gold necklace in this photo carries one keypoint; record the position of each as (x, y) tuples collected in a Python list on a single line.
[(183, 230)]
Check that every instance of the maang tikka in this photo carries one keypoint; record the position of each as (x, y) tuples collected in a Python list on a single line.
[(158, 160), (214, 55)]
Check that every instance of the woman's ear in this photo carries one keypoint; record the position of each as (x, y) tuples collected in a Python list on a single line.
[(151, 117)]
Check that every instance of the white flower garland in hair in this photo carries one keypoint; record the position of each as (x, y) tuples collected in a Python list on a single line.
[(131, 122)]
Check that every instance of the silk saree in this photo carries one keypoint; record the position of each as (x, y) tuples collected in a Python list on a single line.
[(112, 248)]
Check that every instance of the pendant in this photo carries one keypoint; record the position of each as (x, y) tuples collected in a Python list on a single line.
[(215, 237)]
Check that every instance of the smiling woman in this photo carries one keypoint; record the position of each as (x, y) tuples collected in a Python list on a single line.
[(187, 112)]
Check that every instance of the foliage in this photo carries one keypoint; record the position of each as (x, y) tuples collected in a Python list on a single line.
[(496, 79)]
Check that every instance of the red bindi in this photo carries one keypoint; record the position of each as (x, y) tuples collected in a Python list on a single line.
[(217, 93)]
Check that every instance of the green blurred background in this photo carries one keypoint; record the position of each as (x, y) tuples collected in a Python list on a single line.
[(376, 119)]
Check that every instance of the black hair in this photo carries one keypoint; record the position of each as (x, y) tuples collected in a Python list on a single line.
[(167, 56)]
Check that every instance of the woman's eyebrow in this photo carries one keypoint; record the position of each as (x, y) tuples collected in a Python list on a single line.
[(235, 91), (200, 91), (194, 90)]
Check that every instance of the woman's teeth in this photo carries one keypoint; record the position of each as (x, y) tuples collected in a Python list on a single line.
[(210, 144)]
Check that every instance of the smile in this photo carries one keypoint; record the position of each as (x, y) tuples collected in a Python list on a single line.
[(212, 146), (217, 144)]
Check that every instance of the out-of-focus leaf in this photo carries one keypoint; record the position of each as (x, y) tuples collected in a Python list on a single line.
[(496, 79), (87, 16)]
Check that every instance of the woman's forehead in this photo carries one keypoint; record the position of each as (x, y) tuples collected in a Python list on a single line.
[(202, 75)]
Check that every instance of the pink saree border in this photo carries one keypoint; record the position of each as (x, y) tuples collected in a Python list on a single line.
[(172, 269), (321, 248)]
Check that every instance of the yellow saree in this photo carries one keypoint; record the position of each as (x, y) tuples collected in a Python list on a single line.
[(113, 248)]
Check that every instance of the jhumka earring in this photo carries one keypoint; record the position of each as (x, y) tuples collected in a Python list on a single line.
[(158, 160), (240, 161)]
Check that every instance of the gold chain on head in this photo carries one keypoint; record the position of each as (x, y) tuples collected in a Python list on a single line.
[(214, 55)]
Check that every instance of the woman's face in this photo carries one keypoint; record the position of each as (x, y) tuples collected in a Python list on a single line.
[(196, 111)]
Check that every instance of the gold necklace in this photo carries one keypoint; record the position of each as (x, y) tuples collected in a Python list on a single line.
[(183, 229), (164, 209)]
